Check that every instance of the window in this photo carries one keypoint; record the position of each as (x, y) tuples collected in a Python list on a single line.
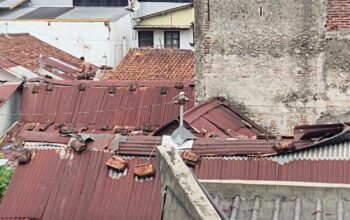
[(145, 38), (172, 39)]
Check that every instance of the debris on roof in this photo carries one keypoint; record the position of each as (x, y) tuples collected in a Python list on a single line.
[(216, 118), (154, 64), (79, 187)]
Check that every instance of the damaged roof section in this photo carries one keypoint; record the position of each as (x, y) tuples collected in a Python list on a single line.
[(101, 107), (154, 64), (216, 118)]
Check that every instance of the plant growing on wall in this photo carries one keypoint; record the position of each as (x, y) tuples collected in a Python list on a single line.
[(5, 177)]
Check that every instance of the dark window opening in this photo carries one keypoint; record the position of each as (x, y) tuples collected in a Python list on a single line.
[(260, 11), (145, 38), (172, 39)]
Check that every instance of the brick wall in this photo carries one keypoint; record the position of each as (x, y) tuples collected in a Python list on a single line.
[(338, 14), (274, 59)]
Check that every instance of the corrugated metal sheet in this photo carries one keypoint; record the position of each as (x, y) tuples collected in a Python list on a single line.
[(6, 91), (95, 108), (79, 188), (110, 13), (323, 171), (6, 63), (65, 67), (330, 152), (218, 118)]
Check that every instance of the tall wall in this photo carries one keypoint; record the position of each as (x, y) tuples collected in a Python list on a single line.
[(279, 61)]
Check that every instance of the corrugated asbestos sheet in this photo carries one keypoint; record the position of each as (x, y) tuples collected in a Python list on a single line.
[(79, 188), (104, 104), (46, 13), (218, 118), (330, 152), (6, 91)]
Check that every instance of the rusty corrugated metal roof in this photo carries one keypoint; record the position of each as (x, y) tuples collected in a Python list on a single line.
[(216, 117), (79, 188), (6, 91), (102, 104), (323, 171)]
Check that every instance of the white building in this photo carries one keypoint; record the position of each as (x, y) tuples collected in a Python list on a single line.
[(102, 35)]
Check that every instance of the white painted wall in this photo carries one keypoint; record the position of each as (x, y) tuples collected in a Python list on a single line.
[(43, 3), (186, 37), (103, 45), (9, 112)]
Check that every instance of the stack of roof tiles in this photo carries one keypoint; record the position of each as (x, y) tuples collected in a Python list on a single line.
[(154, 64)]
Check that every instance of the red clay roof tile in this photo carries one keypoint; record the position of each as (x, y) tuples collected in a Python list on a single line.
[(154, 64), (25, 49)]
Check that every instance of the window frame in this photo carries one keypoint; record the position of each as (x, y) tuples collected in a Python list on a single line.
[(139, 39), (171, 45)]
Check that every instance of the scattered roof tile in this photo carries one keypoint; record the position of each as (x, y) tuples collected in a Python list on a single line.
[(154, 64)]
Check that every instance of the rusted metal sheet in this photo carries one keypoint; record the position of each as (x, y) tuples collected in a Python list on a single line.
[(6, 91), (6, 63), (323, 171), (79, 188), (95, 108), (217, 118), (317, 131)]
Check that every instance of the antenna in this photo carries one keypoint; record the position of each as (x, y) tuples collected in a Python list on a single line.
[(133, 5)]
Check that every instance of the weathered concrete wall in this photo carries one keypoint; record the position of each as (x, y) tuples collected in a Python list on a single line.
[(182, 196), (272, 58), (280, 200)]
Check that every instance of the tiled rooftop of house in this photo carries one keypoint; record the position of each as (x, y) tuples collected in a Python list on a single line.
[(26, 49), (154, 64)]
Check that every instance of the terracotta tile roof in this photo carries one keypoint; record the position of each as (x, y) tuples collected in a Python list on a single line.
[(25, 49), (154, 64)]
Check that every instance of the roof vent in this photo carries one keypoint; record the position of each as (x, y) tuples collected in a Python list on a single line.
[(117, 163), (49, 87), (179, 85), (144, 170), (111, 90), (81, 87), (163, 90), (133, 87), (35, 89)]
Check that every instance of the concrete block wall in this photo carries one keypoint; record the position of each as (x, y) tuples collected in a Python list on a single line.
[(274, 59)]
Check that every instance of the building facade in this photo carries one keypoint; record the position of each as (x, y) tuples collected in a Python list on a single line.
[(284, 62)]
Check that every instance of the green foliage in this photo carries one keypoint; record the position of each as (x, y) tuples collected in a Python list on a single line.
[(5, 177)]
